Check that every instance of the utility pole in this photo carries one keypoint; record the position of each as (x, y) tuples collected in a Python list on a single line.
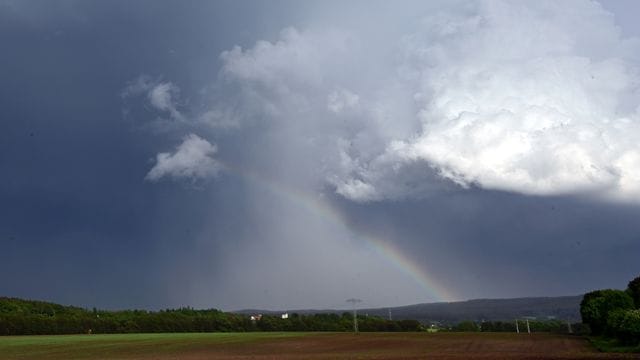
[(390, 315), (569, 327), (517, 328), (528, 330), (354, 301)]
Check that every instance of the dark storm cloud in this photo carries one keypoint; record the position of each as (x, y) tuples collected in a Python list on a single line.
[(497, 244), (75, 207)]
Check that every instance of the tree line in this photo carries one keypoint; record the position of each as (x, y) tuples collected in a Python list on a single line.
[(552, 326), (27, 317), (614, 313)]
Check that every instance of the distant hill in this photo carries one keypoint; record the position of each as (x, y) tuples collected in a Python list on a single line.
[(25, 307), (542, 308)]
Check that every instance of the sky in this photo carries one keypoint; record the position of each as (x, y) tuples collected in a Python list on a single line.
[(287, 155)]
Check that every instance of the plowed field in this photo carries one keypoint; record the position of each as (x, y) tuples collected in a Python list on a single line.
[(303, 346)]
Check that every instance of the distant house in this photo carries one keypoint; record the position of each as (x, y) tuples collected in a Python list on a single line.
[(256, 317), (285, 316)]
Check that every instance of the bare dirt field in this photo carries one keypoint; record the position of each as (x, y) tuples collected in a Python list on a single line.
[(303, 346)]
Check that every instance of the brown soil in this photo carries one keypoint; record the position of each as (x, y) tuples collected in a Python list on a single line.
[(444, 346)]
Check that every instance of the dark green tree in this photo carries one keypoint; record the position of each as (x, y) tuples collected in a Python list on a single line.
[(596, 306), (634, 290)]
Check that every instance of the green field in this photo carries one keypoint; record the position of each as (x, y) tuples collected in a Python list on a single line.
[(299, 346), (124, 346)]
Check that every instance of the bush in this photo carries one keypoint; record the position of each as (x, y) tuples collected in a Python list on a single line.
[(625, 326), (466, 326), (581, 329)]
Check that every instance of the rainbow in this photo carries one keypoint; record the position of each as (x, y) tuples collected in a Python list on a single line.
[(317, 206)]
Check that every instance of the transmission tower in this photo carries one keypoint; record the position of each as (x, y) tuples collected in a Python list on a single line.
[(353, 302)]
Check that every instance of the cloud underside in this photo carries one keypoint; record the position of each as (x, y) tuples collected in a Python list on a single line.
[(536, 98)]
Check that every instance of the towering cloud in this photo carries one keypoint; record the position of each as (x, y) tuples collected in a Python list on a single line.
[(536, 98)]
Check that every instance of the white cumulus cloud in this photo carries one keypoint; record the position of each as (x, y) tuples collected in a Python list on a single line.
[(192, 160), (163, 97), (532, 97), (537, 99)]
